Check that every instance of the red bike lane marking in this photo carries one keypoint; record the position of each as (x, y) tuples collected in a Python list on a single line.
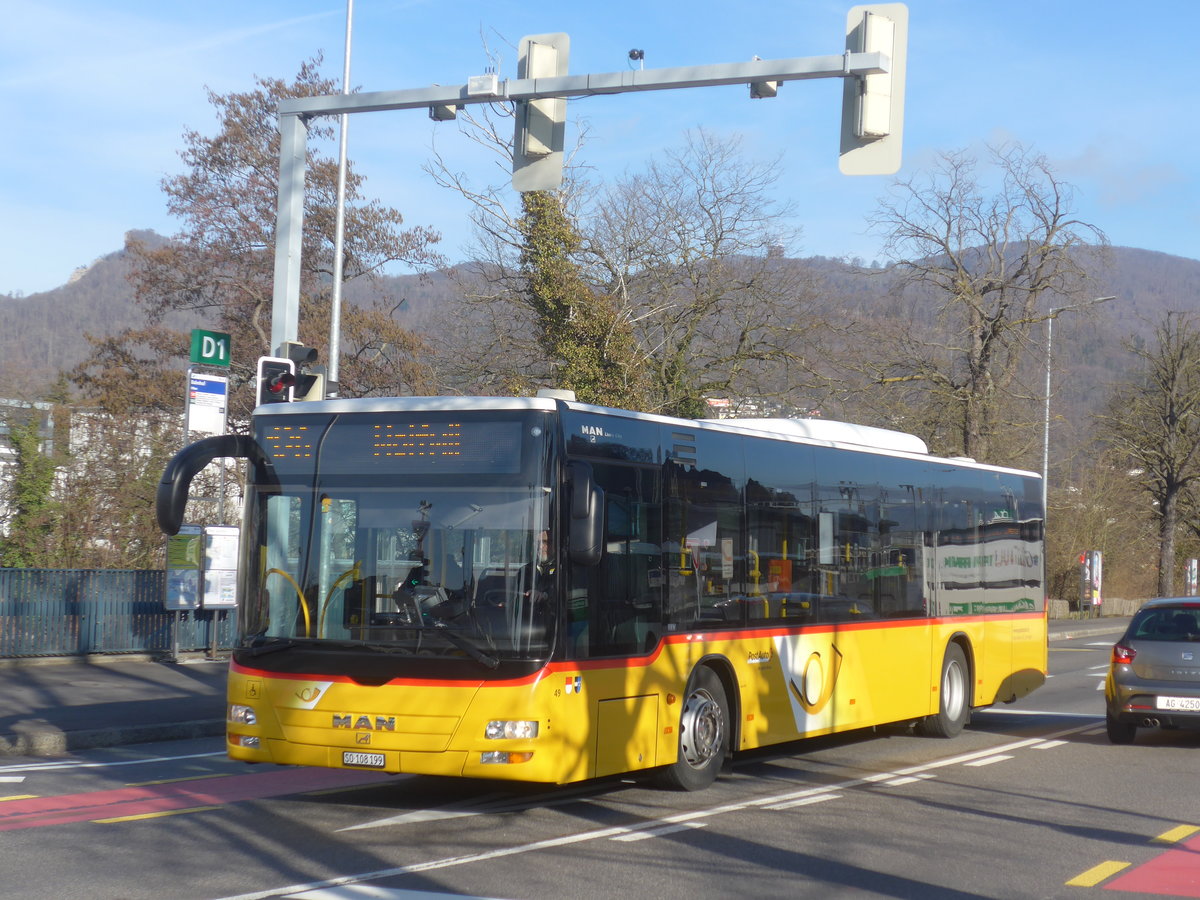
[(1173, 873), (38, 812)]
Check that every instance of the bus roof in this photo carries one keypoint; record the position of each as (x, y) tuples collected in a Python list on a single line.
[(824, 431), (829, 430)]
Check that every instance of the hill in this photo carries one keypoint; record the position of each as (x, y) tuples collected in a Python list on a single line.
[(45, 332)]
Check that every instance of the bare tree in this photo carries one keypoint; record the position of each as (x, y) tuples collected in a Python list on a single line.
[(679, 272), (220, 266), (696, 249), (218, 271), (989, 268), (1154, 423), (1096, 506)]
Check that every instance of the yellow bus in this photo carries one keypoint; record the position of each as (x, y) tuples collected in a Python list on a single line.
[(541, 590)]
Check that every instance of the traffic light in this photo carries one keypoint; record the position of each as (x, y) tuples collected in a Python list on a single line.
[(310, 378), (310, 385), (540, 124), (873, 105), (276, 378)]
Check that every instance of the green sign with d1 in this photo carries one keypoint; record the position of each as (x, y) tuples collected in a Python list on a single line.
[(210, 348)]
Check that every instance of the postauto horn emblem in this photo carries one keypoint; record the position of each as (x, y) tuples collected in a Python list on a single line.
[(818, 680)]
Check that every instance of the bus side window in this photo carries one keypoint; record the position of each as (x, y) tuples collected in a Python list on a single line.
[(616, 607), (706, 553)]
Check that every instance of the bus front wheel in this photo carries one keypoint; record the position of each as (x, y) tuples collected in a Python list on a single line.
[(954, 705), (703, 735)]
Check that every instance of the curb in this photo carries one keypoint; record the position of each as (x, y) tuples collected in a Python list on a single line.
[(42, 739), (104, 659), (1086, 631)]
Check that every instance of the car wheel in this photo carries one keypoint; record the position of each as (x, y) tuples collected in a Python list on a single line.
[(954, 705), (1119, 732), (703, 735)]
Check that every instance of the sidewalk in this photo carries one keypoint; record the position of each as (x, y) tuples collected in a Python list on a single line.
[(51, 707), (1066, 629)]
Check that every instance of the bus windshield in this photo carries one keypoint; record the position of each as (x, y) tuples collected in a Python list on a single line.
[(400, 534)]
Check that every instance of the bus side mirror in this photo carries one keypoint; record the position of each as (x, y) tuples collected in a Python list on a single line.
[(171, 496), (587, 516)]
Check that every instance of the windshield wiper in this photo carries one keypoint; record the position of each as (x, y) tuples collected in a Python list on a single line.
[(262, 646), (465, 645), (270, 645)]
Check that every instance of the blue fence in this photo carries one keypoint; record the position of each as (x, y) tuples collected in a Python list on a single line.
[(68, 612)]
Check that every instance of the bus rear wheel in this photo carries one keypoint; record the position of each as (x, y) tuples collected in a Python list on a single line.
[(954, 706), (703, 735)]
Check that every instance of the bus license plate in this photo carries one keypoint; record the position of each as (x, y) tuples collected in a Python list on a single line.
[(1190, 704), (370, 760)]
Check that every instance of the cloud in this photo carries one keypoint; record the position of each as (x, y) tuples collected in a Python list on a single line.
[(1119, 175), (92, 52)]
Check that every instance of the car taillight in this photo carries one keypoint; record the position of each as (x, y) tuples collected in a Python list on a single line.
[(1122, 654)]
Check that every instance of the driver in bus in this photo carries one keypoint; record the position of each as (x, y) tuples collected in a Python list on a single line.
[(541, 578)]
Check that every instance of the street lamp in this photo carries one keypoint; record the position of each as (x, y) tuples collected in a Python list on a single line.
[(1046, 423), (1053, 314)]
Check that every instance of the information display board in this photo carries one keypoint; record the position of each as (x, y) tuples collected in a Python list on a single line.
[(184, 560), (207, 403), (202, 567), (220, 566)]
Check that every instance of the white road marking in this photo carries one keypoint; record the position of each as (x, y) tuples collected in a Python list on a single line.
[(12, 779), (909, 779), (489, 804), (988, 760), (805, 801), (606, 833), (659, 832), (373, 892), (76, 764), (475, 806)]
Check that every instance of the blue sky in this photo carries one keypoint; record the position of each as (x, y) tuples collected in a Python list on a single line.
[(95, 98)]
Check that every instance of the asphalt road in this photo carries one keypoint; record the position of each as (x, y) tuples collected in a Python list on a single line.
[(1032, 801)]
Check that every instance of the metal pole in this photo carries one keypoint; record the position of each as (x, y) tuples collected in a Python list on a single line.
[(295, 112), (335, 315), (1046, 424)]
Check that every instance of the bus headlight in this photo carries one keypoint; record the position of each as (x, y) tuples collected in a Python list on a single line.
[(510, 729), (242, 715)]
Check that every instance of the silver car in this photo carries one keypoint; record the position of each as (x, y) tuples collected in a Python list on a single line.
[(1154, 677)]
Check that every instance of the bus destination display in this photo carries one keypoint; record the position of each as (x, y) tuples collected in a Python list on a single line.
[(398, 447)]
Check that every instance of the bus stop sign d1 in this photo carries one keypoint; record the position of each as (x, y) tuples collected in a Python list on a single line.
[(210, 348)]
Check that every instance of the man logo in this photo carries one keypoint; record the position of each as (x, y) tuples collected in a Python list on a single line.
[(364, 723)]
